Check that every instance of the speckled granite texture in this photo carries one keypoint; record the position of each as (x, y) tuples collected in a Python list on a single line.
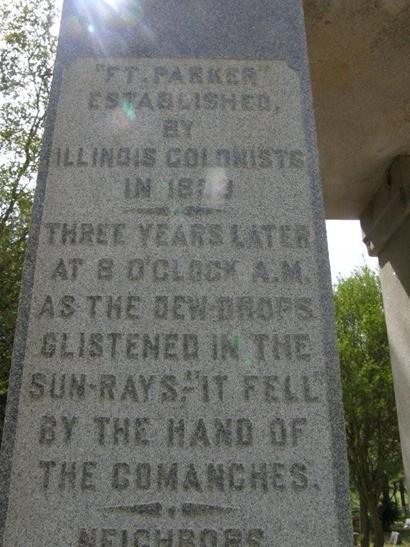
[(175, 380)]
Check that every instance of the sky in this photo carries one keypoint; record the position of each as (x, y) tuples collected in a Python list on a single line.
[(346, 248)]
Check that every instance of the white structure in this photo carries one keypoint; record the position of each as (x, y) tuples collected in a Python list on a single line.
[(359, 59)]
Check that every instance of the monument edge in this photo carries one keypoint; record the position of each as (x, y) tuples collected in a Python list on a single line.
[(26, 292), (333, 381)]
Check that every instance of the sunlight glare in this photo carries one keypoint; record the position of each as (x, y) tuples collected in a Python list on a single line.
[(101, 15)]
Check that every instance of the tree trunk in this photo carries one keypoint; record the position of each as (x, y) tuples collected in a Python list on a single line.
[(364, 523), (402, 496), (376, 524)]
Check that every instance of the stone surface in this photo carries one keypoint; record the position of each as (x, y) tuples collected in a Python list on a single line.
[(175, 380), (386, 229), (388, 209), (357, 51)]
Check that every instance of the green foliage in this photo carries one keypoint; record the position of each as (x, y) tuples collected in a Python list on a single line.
[(368, 395), (27, 50), (370, 413)]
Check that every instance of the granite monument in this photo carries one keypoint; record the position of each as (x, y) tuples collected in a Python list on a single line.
[(175, 381)]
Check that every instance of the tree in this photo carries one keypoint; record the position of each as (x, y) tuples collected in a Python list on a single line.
[(373, 443), (27, 49)]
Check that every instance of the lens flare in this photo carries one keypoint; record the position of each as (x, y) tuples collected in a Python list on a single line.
[(101, 15), (216, 185), (74, 27), (128, 110), (113, 4)]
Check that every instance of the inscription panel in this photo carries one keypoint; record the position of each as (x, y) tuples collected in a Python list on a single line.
[(174, 392)]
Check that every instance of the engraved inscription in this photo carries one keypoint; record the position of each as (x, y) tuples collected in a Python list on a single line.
[(174, 391)]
